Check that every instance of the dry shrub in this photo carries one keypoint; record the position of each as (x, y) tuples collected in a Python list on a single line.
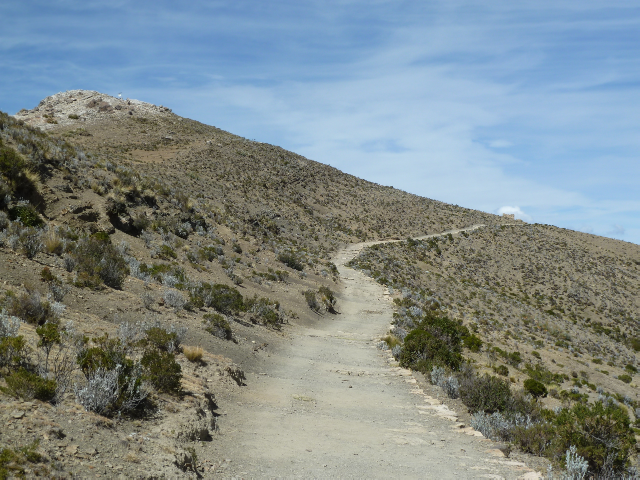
[(193, 354)]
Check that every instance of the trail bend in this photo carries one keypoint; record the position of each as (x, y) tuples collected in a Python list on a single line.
[(332, 405)]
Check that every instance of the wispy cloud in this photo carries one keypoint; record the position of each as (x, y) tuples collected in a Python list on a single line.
[(617, 230)]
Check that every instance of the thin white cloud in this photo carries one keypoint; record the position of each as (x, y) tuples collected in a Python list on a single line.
[(617, 230)]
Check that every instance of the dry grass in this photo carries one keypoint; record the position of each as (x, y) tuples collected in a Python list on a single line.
[(131, 457), (53, 242), (193, 354)]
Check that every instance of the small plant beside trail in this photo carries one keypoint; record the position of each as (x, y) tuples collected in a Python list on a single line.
[(266, 311), (118, 384), (435, 342), (224, 299), (323, 298)]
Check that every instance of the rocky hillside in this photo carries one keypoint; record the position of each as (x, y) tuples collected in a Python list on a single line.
[(148, 261), (131, 236), (563, 294), (553, 312)]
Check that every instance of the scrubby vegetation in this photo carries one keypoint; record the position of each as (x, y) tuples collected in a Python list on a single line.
[(217, 325), (321, 299), (595, 431), (97, 261), (17, 462)]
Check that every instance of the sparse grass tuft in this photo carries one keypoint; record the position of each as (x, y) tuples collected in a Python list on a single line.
[(193, 354)]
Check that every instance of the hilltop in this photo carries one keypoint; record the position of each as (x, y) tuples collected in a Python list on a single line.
[(181, 240)]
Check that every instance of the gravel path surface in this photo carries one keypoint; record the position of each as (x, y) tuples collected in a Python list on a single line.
[(331, 405)]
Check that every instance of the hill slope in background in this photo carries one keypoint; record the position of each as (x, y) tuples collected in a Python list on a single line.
[(564, 300), (189, 208)]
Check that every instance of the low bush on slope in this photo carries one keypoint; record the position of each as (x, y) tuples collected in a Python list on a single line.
[(598, 434)]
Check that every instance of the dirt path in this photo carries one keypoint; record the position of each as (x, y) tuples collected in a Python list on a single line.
[(331, 405)]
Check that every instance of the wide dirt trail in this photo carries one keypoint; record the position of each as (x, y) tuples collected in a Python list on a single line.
[(331, 405)]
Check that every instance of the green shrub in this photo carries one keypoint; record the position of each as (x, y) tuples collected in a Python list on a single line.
[(217, 325), (156, 270), (601, 433), (106, 354), (224, 299), (49, 336), (22, 181), (165, 252), (266, 310), (436, 342), (543, 374), (162, 370), (161, 339), (312, 301), (11, 162), (27, 214), (328, 299), (535, 354), (625, 378), (422, 350), (502, 370), (534, 439), (535, 388), (635, 343), (14, 352), (98, 261), (472, 342), (47, 276), (291, 261), (512, 358), (28, 385), (209, 253), (630, 368), (486, 393), (114, 382)]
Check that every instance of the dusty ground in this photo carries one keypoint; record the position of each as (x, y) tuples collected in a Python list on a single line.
[(333, 405)]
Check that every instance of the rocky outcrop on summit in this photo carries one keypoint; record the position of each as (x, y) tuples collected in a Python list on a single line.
[(84, 106)]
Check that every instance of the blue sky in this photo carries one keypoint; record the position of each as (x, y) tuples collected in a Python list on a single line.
[(530, 107)]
